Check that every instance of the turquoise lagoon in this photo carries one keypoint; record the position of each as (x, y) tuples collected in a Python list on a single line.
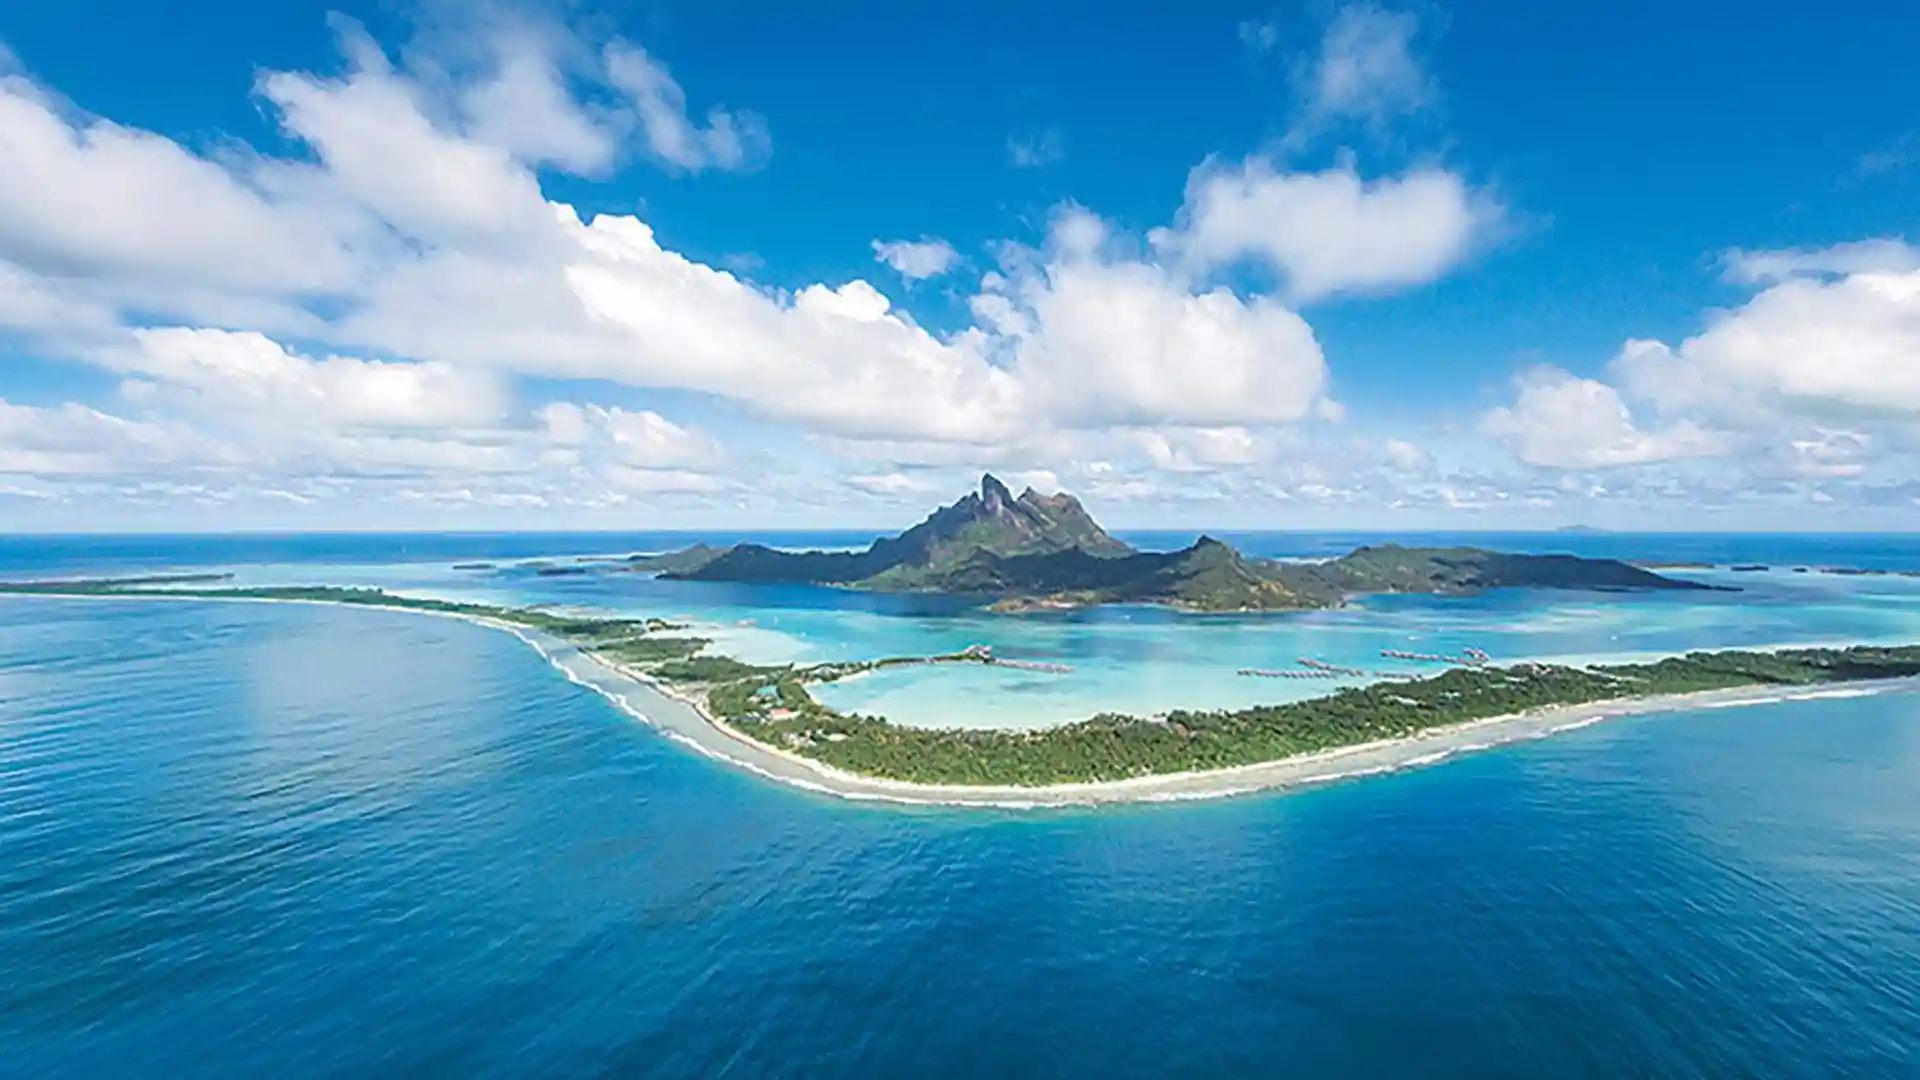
[(305, 842), (1145, 660)]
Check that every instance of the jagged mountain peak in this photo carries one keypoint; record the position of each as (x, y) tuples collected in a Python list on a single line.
[(994, 495), (991, 520), (1057, 502), (1047, 551)]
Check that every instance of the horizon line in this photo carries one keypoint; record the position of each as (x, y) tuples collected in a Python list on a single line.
[(1563, 531)]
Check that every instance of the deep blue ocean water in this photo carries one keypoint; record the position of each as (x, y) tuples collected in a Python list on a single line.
[(282, 841)]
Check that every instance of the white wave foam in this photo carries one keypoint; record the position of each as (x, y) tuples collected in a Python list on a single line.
[(1771, 699)]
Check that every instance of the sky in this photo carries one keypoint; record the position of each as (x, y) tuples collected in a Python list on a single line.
[(521, 265)]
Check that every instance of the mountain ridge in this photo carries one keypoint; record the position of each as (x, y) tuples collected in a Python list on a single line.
[(990, 519), (1040, 552)]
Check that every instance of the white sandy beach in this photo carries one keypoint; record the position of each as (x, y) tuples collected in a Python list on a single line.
[(686, 720)]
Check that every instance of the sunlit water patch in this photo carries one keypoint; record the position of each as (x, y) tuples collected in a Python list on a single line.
[(240, 841)]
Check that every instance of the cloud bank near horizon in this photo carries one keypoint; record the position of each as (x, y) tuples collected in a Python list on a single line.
[(394, 311)]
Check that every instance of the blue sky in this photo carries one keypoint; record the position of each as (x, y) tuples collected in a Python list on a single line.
[(1236, 265)]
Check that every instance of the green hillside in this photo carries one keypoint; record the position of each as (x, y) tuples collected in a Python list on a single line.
[(1042, 552)]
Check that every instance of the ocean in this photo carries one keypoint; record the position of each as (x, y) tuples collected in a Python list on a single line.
[(249, 840)]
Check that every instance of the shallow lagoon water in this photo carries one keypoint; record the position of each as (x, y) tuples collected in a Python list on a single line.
[(1147, 660), (270, 840)]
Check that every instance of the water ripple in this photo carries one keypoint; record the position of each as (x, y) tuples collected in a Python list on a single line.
[(247, 841)]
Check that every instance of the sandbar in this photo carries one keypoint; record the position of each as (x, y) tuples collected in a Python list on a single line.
[(684, 718)]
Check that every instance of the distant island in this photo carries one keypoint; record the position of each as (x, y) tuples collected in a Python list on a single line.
[(763, 716), (1045, 552)]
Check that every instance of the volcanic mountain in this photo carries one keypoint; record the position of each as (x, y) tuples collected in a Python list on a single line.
[(1046, 551)]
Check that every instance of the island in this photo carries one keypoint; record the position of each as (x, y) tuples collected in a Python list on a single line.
[(764, 718), (1040, 552)]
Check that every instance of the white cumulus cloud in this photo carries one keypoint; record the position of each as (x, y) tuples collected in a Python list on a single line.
[(73, 440), (1331, 232), (640, 438), (1561, 421), (891, 484), (728, 140), (1849, 345), (1365, 70), (1100, 338), (1199, 449), (1761, 267), (252, 375), (382, 151), (525, 106), (370, 307), (917, 260), (85, 198), (1406, 457)]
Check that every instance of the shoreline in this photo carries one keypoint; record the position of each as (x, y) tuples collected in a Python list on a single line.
[(684, 718), (1322, 767)]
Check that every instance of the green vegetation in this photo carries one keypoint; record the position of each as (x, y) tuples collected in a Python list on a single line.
[(652, 650), (1112, 747), (771, 703), (1209, 576), (674, 562), (716, 669), (1040, 552), (1390, 568), (990, 521)]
